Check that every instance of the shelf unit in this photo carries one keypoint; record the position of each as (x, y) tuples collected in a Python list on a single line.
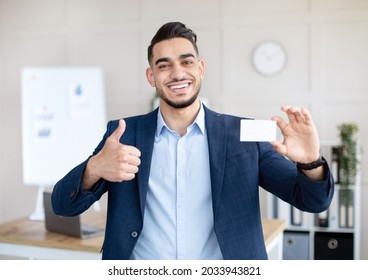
[(333, 234)]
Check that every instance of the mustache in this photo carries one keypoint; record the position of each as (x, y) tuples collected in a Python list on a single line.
[(175, 80)]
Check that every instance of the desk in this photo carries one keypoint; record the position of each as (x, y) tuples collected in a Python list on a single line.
[(29, 239), (273, 231)]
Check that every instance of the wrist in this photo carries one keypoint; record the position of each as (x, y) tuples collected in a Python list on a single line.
[(311, 165), (90, 175)]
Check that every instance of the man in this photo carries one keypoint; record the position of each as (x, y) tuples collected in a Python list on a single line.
[(180, 183)]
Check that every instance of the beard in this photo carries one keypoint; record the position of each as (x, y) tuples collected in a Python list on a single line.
[(178, 104)]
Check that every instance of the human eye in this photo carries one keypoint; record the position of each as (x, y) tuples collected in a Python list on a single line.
[(163, 66), (188, 62)]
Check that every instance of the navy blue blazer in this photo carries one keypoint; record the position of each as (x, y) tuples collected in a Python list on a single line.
[(237, 170)]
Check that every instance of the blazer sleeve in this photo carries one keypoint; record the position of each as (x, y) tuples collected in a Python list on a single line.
[(68, 197), (281, 177)]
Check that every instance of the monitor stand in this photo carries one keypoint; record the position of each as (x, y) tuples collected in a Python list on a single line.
[(39, 213)]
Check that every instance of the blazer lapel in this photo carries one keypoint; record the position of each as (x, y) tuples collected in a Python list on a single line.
[(146, 128), (216, 133)]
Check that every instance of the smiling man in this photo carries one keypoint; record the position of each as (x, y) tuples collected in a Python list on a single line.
[(176, 71), (180, 183)]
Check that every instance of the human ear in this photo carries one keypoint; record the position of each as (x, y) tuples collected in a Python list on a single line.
[(150, 76), (202, 68)]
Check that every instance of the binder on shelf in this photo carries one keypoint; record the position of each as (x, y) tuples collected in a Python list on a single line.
[(283, 210), (296, 216), (346, 209), (335, 166), (350, 216), (333, 215)]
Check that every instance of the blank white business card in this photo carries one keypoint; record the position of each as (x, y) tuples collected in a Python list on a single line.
[(257, 130)]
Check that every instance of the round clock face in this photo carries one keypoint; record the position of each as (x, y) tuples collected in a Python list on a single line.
[(269, 58)]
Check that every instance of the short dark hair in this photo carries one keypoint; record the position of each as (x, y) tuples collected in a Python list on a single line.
[(172, 30)]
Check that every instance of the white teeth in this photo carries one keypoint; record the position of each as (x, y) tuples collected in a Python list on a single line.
[(179, 86)]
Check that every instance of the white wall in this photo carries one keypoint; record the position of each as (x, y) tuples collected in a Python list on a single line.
[(326, 42)]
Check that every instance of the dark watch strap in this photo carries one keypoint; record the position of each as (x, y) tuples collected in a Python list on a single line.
[(311, 165)]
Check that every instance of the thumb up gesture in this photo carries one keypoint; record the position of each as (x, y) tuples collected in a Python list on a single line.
[(115, 162)]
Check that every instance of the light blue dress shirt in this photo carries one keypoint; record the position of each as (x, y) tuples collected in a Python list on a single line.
[(178, 219)]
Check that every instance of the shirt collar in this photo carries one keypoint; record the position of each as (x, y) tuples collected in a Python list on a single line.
[(199, 121)]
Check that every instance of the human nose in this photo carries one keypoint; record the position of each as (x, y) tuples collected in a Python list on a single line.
[(177, 72)]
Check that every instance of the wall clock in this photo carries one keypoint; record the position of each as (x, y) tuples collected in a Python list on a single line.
[(269, 58)]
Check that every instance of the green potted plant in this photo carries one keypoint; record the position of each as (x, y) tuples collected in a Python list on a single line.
[(348, 166)]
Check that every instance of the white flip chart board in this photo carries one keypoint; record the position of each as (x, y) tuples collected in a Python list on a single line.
[(63, 120)]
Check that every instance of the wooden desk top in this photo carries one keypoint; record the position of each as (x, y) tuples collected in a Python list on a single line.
[(33, 233), (271, 228)]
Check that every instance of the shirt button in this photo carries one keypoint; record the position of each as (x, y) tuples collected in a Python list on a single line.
[(134, 234)]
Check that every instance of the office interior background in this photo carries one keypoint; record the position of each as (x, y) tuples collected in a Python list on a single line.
[(326, 43)]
